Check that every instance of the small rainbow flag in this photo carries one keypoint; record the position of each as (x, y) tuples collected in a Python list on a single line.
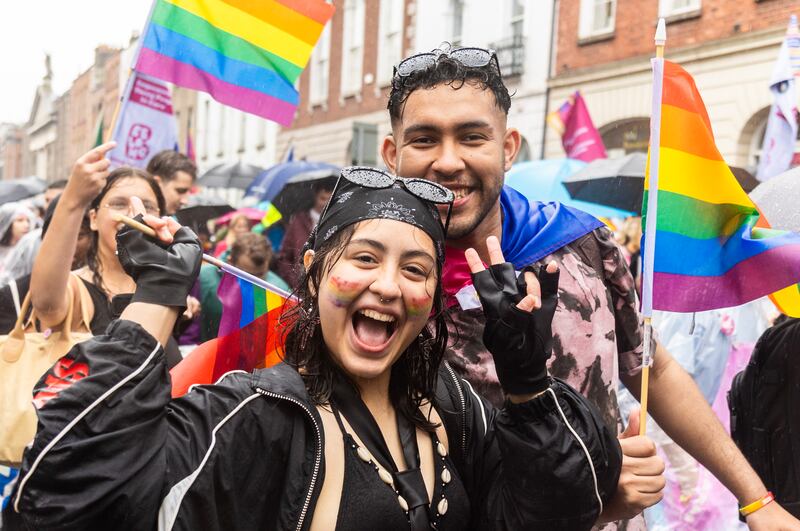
[(245, 54), (250, 335), (707, 245)]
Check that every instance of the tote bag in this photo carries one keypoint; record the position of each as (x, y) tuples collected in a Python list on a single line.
[(25, 355)]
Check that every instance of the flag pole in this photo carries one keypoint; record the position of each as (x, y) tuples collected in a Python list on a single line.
[(112, 130), (228, 268), (652, 218)]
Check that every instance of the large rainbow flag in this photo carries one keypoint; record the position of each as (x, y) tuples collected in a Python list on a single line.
[(246, 54), (708, 246), (250, 335)]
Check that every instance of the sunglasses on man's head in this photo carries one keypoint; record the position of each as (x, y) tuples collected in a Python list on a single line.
[(469, 57), (374, 178)]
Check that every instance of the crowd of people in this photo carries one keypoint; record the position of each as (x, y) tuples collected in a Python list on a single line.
[(455, 360)]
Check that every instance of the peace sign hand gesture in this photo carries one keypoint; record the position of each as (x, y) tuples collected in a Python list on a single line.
[(519, 315)]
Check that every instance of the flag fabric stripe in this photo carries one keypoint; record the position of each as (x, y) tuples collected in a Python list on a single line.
[(710, 249), (185, 75), (247, 314), (319, 11), (246, 75), (746, 281), (176, 19), (788, 300), (720, 255), (300, 26), (260, 305), (680, 91), (699, 178), (247, 27), (711, 220), (676, 137)]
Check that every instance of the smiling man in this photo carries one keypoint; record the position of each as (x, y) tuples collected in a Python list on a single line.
[(449, 114)]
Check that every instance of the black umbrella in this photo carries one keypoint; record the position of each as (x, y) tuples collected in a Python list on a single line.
[(298, 193), (778, 200), (16, 189), (195, 216), (618, 183), (230, 175)]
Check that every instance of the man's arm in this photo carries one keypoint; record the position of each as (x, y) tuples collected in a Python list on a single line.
[(680, 409)]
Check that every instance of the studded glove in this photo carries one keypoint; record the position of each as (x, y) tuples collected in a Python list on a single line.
[(520, 342), (164, 273)]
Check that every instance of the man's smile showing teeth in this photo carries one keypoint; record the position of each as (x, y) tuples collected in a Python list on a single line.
[(460, 193), (378, 316)]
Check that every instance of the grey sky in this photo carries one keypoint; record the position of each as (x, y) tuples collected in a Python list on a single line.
[(69, 31)]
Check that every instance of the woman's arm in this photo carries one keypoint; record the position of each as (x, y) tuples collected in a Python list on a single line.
[(52, 266)]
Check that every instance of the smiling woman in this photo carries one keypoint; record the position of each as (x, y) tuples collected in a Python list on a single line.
[(363, 427)]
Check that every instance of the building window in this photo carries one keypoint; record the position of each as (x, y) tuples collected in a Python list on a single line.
[(221, 140), (353, 47), (320, 66), (390, 39), (457, 24), (242, 132), (517, 18), (597, 18), (206, 128), (669, 8)]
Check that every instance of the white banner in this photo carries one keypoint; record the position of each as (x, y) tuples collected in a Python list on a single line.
[(145, 125), (779, 138)]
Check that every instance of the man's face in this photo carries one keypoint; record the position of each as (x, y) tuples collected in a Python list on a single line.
[(458, 138), (176, 191)]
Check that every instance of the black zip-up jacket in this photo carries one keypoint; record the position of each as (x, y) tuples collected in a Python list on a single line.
[(114, 451)]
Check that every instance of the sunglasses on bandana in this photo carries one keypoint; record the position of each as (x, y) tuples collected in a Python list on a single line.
[(374, 178), (469, 57)]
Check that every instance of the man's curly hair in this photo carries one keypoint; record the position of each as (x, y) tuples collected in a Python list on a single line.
[(451, 72)]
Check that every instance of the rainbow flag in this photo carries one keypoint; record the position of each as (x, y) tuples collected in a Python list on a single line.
[(250, 335), (706, 244), (246, 54)]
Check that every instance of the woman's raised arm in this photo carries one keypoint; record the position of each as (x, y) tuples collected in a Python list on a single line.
[(52, 266)]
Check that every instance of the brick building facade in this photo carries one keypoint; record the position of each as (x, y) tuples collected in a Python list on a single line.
[(729, 46)]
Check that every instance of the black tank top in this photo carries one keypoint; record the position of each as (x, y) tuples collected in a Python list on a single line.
[(369, 503)]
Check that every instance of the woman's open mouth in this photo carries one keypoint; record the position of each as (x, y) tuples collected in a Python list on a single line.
[(373, 330)]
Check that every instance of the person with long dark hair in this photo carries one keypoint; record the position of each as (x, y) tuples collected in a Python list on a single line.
[(362, 427), (92, 188)]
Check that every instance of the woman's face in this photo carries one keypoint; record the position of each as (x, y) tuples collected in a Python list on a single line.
[(377, 297), (20, 227), (117, 201), (240, 226)]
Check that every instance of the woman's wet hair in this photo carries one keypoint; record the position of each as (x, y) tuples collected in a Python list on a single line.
[(124, 172), (447, 71), (414, 374)]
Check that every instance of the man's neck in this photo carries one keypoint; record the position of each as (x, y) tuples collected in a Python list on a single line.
[(492, 225)]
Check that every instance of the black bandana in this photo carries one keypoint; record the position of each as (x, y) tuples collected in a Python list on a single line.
[(353, 203)]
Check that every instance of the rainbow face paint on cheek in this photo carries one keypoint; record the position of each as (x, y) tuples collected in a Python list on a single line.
[(417, 306), (343, 292)]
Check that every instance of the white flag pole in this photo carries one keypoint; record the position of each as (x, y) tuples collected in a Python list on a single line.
[(652, 218)]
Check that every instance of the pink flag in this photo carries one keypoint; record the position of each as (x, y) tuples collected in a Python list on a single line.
[(578, 135), (145, 125)]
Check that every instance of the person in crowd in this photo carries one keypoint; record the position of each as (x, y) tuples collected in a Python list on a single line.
[(361, 428), (20, 272), (175, 174), (54, 189), (252, 253), (298, 229), (91, 188), (16, 220), (238, 225), (448, 111), (629, 238)]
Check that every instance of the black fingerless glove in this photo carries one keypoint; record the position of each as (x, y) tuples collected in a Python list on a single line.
[(520, 342), (164, 273)]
